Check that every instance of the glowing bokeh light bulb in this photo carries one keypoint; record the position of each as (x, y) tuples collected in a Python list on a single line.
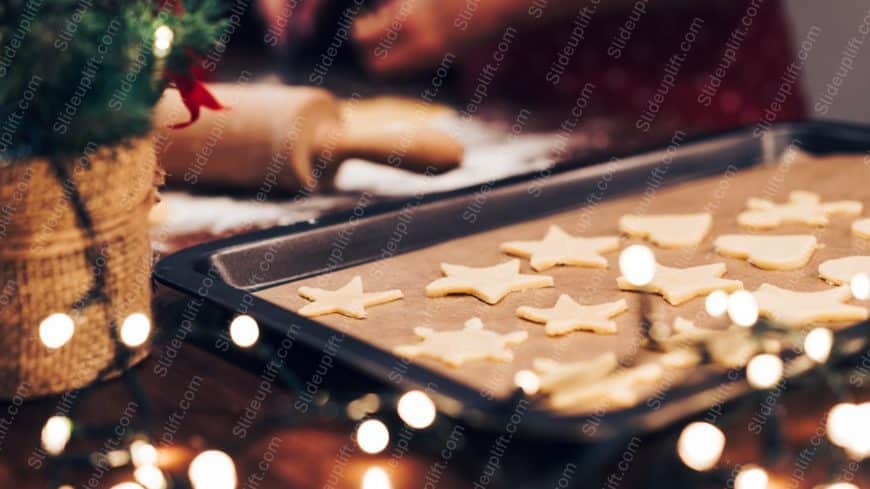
[(150, 477), (764, 371), (742, 308), (55, 434), (848, 426), (376, 478), (528, 381), (860, 286), (638, 265), (163, 37), (126, 485), (716, 303), (372, 436), (751, 477), (135, 329), (700, 445), (56, 330), (212, 469), (840, 485), (244, 331), (143, 453), (818, 343), (416, 409)]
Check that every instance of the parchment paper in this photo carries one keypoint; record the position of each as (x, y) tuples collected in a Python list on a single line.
[(834, 178)]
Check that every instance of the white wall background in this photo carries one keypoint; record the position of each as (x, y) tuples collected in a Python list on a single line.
[(839, 21)]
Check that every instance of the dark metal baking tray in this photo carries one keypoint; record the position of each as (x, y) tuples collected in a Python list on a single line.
[(225, 272)]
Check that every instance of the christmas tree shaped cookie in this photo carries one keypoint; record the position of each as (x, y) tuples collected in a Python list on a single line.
[(560, 248), (459, 346)]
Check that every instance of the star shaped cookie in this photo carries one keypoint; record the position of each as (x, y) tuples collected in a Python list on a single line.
[(560, 248), (783, 252), (678, 285), (489, 284), (797, 309), (349, 300), (841, 270), (567, 316), (554, 375), (459, 346), (668, 230), (614, 391), (802, 207)]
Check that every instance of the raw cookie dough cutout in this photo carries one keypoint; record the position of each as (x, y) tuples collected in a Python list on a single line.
[(668, 230), (561, 248), (784, 252), (802, 207), (554, 375), (349, 300), (798, 309), (462, 345), (861, 228), (841, 270), (678, 285), (489, 284), (614, 391), (567, 316)]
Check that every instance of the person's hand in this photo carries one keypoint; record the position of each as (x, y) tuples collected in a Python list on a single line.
[(410, 35)]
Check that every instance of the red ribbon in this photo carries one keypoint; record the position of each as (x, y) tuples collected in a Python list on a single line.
[(195, 95), (177, 6)]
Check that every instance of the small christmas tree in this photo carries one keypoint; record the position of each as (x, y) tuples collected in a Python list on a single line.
[(79, 72)]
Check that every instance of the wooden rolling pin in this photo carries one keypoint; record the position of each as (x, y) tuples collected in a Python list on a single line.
[(294, 136)]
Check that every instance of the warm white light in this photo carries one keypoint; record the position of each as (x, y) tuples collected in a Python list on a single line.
[(860, 285), (849, 427), (716, 303), (56, 330), (372, 436), (163, 37), (742, 308), (376, 478), (764, 371), (817, 344), (839, 485), (416, 409), (212, 469), (751, 477), (637, 264), (528, 381), (244, 331), (700, 445), (126, 485), (150, 477), (135, 329), (143, 453), (55, 434)]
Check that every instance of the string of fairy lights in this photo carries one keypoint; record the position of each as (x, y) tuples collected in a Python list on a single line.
[(373, 417)]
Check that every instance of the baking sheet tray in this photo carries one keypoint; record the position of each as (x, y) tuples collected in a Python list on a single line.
[(260, 272)]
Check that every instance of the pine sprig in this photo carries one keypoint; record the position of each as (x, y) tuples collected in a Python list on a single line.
[(80, 72)]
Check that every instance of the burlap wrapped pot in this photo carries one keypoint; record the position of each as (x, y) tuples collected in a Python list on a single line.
[(73, 240)]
